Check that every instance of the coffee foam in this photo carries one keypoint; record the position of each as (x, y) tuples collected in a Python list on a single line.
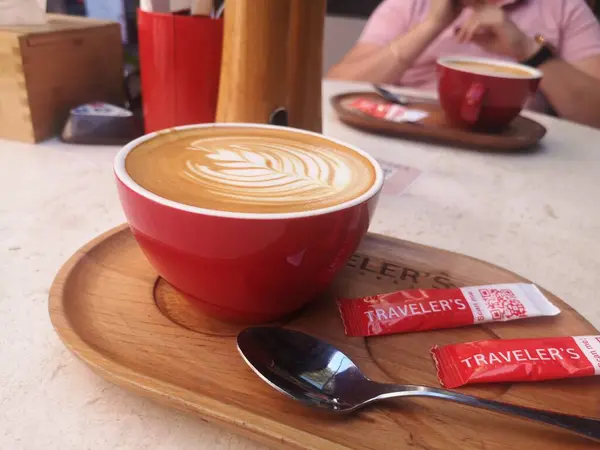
[(250, 170), (490, 67)]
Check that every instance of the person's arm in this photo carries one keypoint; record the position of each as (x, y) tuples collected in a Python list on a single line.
[(383, 64), (388, 48), (571, 81), (573, 90)]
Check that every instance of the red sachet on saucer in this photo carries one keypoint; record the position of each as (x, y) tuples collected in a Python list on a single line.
[(430, 309), (387, 111), (517, 360)]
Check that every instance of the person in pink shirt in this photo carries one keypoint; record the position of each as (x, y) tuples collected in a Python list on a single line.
[(403, 39)]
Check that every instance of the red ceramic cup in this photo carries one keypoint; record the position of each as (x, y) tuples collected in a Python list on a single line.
[(484, 100), (245, 267), (180, 61)]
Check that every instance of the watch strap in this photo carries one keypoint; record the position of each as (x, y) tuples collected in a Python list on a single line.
[(543, 55)]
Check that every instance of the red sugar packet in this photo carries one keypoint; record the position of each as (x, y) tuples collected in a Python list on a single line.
[(388, 111), (430, 309), (513, 360)]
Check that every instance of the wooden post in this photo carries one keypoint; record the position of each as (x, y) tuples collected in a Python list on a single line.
[(254, 68), (272, 58), (305, 63)]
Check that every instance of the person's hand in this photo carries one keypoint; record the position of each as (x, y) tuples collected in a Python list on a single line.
[(443, 12), (490, 28)]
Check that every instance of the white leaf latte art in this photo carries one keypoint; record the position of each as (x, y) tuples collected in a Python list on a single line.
[(267, 172), (256, 171)]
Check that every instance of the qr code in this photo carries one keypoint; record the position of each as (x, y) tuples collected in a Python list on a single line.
[(503, 304)]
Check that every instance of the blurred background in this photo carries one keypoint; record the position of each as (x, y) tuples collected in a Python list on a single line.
[(344, 23), (345, 20)]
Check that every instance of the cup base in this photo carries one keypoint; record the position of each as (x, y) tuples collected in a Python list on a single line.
[(478, 128), (205, 318)]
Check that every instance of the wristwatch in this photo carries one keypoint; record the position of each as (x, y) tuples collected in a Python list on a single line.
[(544, 54)]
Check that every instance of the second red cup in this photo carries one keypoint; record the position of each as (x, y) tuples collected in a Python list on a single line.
[(484, 94)]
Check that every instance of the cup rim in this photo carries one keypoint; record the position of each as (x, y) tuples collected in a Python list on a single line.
[(127, 180), (445, 61)]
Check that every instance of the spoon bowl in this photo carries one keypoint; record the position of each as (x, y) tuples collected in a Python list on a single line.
[(306, 369), (319, 375)]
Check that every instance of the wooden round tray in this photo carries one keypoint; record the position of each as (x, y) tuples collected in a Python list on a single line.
[(521, 134), (109, 308)]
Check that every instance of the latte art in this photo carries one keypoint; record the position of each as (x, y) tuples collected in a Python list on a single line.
[(254, 172), (248, 171)]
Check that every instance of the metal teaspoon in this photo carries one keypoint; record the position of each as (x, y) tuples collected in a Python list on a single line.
[(399, 98), (317, 374), (390, 96)]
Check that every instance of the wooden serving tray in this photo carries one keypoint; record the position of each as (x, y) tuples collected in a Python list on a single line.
[(109, 308), (521, 134)]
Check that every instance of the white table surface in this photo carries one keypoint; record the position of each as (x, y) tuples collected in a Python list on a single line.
[(537, 214)]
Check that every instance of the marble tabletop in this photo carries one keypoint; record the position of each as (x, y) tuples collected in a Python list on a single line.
[(537, 214)]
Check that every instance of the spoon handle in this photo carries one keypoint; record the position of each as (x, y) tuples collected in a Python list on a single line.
[(584, 426), (399, 99)]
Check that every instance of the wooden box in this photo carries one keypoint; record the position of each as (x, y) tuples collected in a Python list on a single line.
[(46, 70)]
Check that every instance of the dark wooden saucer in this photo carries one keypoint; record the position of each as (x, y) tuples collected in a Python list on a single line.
[(521, 134)]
